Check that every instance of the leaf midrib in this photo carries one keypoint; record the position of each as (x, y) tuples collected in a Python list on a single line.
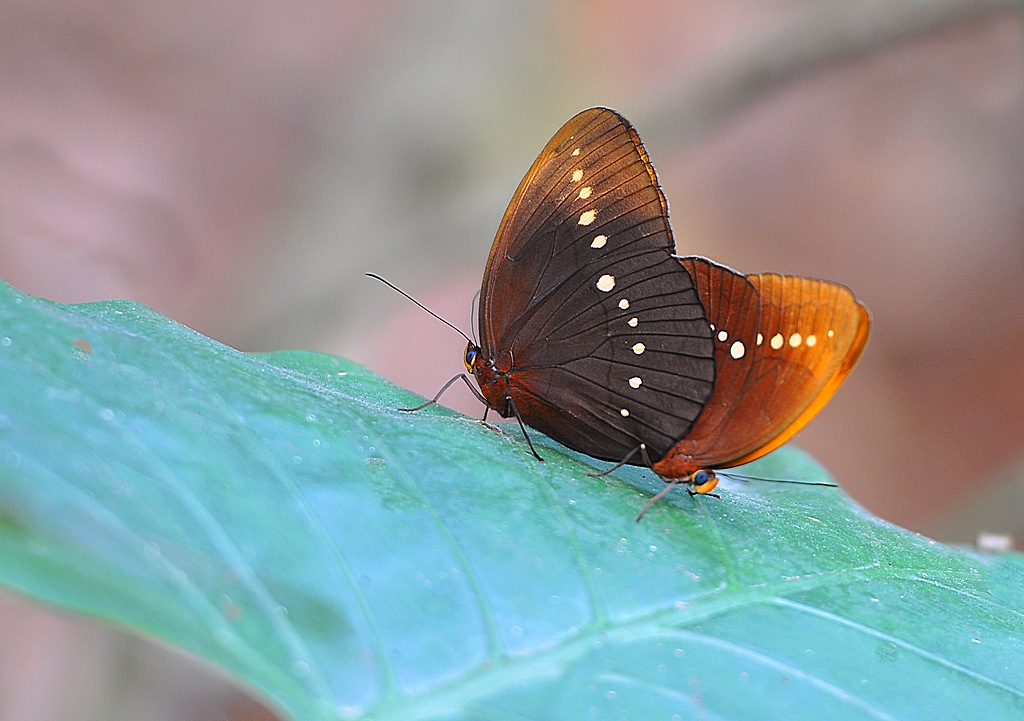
[(660, 623)]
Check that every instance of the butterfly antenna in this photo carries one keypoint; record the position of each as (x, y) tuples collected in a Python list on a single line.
[(402, 292), (747, 479), (474, 311)]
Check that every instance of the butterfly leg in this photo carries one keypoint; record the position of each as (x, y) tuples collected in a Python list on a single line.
[(515, 412), (445, 387), (642, 449), (669, 485), (698, 493)]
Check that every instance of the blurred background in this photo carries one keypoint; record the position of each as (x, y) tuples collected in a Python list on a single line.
[(239, 166)]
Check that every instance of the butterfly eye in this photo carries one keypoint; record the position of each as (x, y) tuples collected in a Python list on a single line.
[(470, 357), (704, 481)]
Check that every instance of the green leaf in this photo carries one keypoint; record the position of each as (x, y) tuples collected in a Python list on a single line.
[(277, 516)]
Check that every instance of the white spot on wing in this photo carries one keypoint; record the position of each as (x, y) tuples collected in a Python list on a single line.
[(736, 350), (587, 217), (632, 322), (577, 176), (585, 192), (639, 348), (795, 340), (723, 336), (606, 282), (831, 334), (635, 381), (776, 341), (624, 413), (811, 341), (623, 304), (599, 241), (576, 152), (760, 339)]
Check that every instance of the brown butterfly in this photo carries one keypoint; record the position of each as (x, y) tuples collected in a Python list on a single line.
[(594, 332)]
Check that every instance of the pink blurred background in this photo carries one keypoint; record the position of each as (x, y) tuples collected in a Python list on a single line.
[(238, 167)]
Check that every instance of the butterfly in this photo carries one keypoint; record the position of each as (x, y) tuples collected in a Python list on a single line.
[(593, 331)]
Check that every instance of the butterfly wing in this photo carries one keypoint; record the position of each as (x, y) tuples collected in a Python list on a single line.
[(783, 346), (598, 328)]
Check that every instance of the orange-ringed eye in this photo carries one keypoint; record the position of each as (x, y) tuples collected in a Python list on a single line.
[(470, 357), (704, 481)]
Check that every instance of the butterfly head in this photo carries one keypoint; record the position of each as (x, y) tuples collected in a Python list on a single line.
[(492, 375), (703, 481), (472, 353)]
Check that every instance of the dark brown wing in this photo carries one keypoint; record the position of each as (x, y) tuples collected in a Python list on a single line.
[(608, 340)]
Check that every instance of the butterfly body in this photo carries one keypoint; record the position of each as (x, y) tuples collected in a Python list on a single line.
[(595, 333)]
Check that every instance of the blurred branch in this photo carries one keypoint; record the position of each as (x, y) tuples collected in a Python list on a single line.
[(835, 34)]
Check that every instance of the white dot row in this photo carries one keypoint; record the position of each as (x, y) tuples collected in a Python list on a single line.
[(606, 282), (737, 350)]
